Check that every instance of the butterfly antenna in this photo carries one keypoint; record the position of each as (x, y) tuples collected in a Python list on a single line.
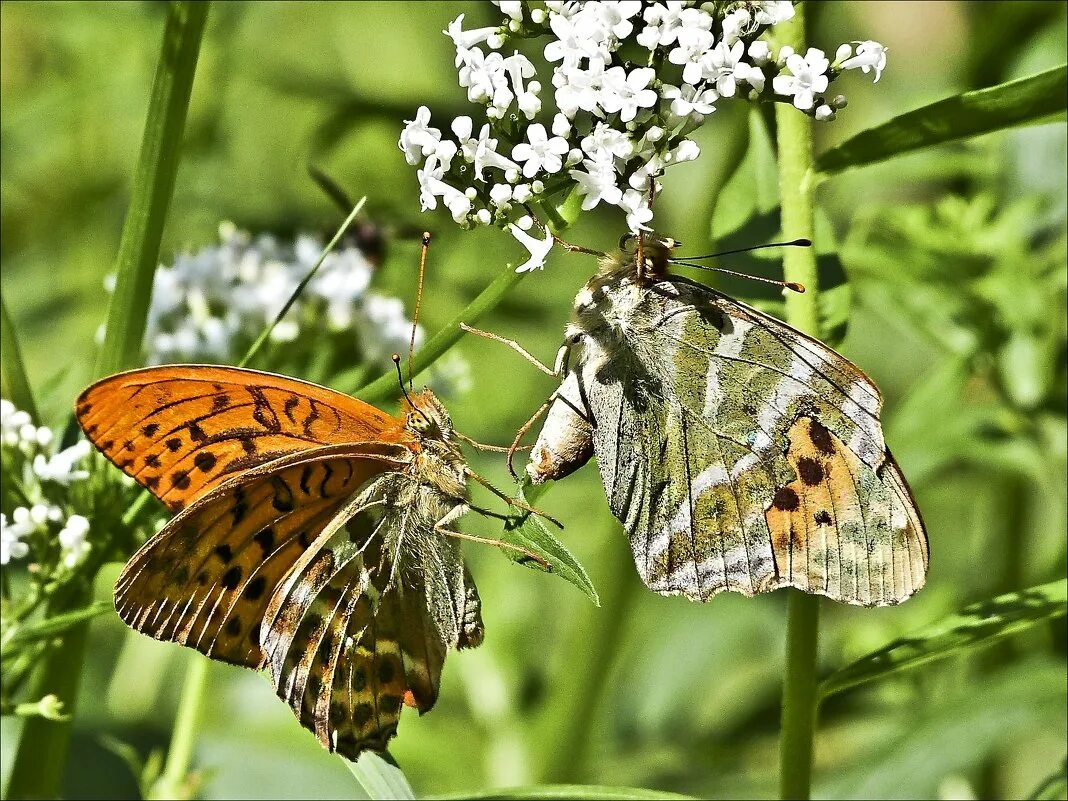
[(418, 303), (798, 243), (794, 286), (400, 380)]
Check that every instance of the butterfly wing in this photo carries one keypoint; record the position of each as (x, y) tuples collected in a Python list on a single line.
[(366, 628), (742, 455), (258, 573), (180, 430)]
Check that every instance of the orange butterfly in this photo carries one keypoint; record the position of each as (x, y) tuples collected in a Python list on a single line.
[(308, 538)]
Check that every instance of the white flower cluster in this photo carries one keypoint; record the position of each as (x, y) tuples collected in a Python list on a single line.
[(43, 479), (213, 303), (630, 81)]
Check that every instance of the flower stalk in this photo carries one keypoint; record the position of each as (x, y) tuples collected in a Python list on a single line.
[(796, 190)]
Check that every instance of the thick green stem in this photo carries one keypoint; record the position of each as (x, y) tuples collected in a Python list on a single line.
[(42, 748), (796, 191), (174, 782), (153, 186)]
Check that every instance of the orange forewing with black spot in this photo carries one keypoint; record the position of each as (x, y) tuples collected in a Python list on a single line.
[(180, 430)]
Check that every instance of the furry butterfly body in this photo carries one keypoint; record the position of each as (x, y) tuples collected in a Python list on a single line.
[(738, 453), (309, 540)]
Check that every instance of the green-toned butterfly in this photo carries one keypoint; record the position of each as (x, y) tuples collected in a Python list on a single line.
[(738, 453)]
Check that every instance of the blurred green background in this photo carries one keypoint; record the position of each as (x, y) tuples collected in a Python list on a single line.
[(956, 260)]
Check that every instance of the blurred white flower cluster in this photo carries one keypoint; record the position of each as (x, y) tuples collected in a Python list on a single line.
[(213, 303), (40, 492), (630, 81)]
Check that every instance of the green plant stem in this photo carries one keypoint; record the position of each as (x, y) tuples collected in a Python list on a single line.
[(42, 749), (385, 386), (15, 378), (596, 640), (174, 781), (796, 189), (153, 187)]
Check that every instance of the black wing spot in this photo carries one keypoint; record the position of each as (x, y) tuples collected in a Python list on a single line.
[(196, 433), (173, 444), (224, 552), (810, 470), (204, 461), (152, 460), (233, 627), (786, 500), (822, 518), (180, 479), (254, 589), (821, 437), (361, 714), (231, 578), (265, 539)]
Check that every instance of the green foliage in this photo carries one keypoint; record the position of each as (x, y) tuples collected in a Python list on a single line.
[(976, 625), (1022, 102), (380, 778), (577, 791), (528, 531)]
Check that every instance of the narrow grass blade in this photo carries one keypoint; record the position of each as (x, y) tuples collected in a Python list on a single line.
[(380, 778), (385, 386), (565, 791), (266, 333), (153, 187), (1007, 105), (975, 625), (16, 383), (528, 531)]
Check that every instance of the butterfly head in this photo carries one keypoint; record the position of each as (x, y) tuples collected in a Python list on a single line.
[(642, 259), (426, 417)]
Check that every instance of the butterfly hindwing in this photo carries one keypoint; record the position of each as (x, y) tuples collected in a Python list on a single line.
[(362, 628), (740, 454), (180, 430)]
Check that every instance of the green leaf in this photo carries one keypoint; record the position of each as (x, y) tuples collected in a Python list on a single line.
[(1007, 105), (528, 531), (54, 626), (564, 791), (385, 386), (16, 383), (1053, 786), (380, 778), (752, 188), (979, 624), (153, 187)]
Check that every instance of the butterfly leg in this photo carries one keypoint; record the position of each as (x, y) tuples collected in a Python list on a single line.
[(517, 348), (518, 504), (453, 514), (522, 432)]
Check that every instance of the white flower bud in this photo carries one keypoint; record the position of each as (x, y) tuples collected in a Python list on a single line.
[(484, 217), (537, 187), (824, 112), (525, 222), (521, 193), (538, 15), (574, 156), (495, 41), (843, 52), (561, 125), (500, 194), (511, 176), (654, 134), (470, 193), (759, 52), (534, 86), (44, 436)]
